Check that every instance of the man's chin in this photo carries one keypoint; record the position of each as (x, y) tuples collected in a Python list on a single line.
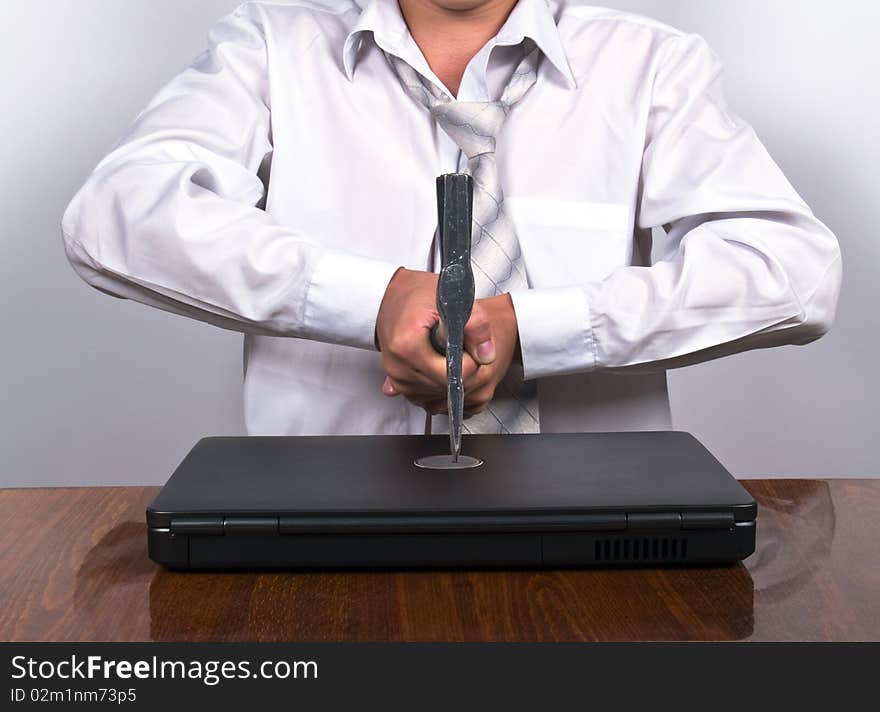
[(460, 5)]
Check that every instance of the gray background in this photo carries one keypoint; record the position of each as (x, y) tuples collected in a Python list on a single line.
[(102, 391)]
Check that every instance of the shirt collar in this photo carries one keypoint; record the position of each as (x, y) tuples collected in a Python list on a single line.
[(381, 17), (529, 18)]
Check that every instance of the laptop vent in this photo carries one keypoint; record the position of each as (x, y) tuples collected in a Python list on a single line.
[(638, 549)]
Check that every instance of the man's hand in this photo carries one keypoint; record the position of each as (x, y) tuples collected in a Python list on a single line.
[(415, 370), (403, 334), (499, 315)]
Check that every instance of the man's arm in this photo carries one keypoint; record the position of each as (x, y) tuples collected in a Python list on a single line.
[(168, 218), (747, 264)]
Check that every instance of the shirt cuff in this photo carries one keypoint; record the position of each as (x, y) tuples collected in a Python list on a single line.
[(344, 297), (555, 332)]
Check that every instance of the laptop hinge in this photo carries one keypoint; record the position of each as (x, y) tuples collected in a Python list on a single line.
[(653, 521), (197, 525), (675, 521), (219, 526), (707, 520), (436, 524)]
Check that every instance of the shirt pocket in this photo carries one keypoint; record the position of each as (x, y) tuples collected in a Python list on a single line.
[(569, 242)]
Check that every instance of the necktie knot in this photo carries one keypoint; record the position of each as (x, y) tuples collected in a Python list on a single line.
[(473, 125)]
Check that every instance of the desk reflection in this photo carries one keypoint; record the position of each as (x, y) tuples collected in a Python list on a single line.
[(797, 527), (796, 535), (111, 584)]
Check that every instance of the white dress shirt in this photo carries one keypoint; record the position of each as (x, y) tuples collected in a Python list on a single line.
[(276, 185)]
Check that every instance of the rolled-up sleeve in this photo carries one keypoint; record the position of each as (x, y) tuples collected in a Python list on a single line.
[(170, 217), (746, 264)]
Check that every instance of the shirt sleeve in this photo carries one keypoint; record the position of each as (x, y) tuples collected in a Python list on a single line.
[(170, 217), (746, 264)]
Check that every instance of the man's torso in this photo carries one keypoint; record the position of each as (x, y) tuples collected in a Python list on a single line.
[(354, 165)]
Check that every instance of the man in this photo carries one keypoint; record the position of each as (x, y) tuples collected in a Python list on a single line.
[(283, 186)]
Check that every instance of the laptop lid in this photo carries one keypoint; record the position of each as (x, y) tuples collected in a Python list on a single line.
[(541, 482)]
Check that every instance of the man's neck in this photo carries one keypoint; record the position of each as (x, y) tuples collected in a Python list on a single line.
[(451, 32)]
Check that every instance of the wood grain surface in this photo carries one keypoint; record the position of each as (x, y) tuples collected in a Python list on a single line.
[(74, 567)]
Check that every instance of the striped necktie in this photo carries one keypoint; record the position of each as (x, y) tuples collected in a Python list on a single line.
[(496, 256)]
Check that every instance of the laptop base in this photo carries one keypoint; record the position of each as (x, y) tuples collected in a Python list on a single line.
[(391, 551)]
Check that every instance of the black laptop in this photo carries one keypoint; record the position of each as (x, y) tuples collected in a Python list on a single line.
[(549, 500)]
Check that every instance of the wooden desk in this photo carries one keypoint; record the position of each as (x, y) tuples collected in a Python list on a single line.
[(74, 567)]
